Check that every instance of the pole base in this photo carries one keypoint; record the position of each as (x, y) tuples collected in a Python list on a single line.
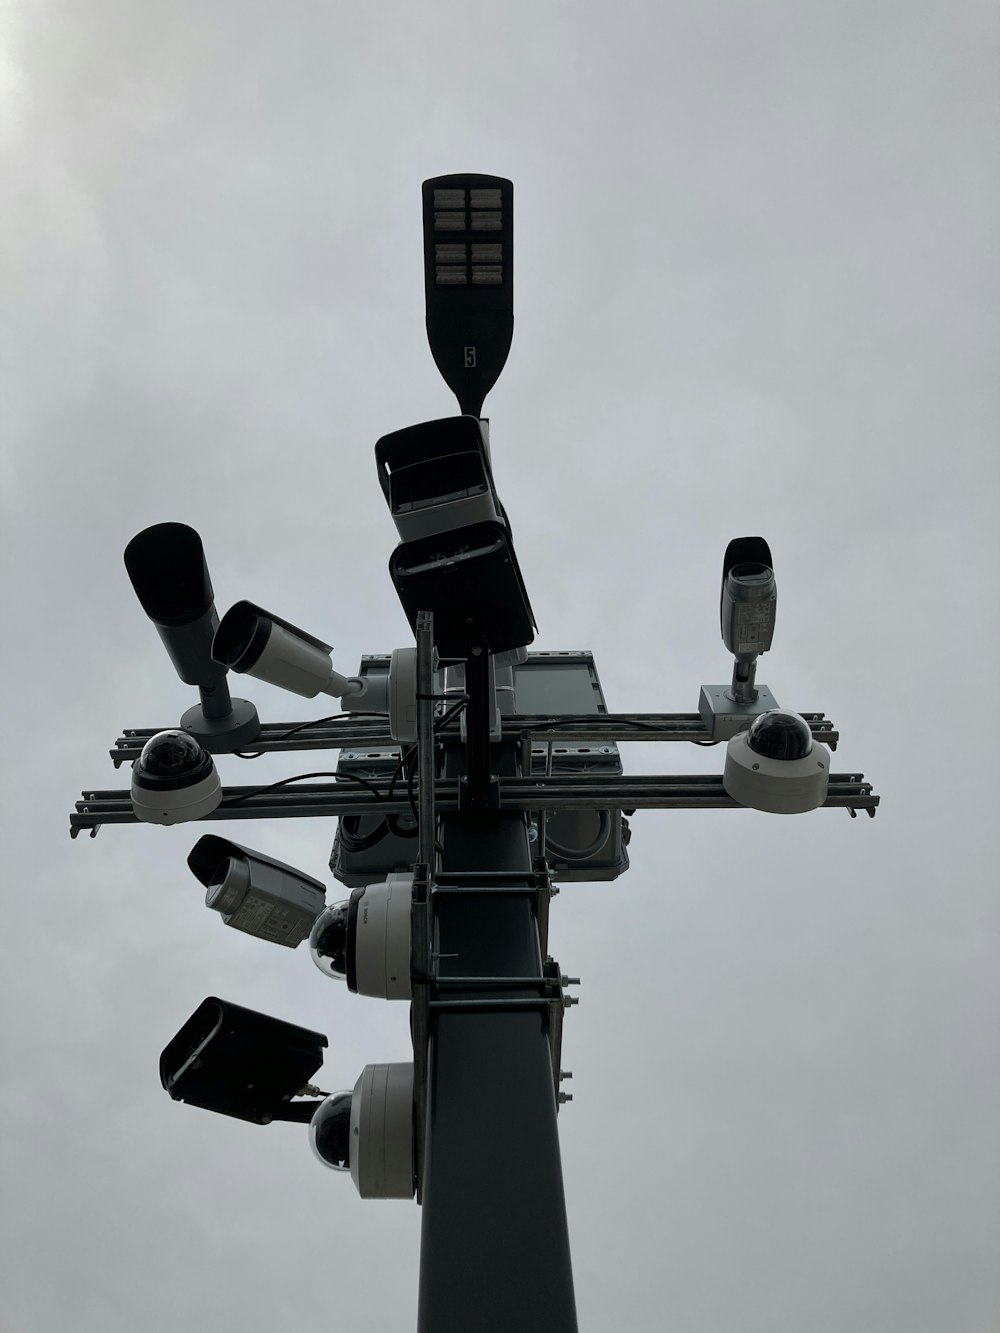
[(225, 734)]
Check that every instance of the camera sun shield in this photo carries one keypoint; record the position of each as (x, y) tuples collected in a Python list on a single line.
[(238, 1062)]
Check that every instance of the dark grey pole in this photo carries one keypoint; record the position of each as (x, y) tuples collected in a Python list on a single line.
[(494, 1253)]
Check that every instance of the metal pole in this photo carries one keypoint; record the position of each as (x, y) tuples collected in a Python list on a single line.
[(494, 1254)]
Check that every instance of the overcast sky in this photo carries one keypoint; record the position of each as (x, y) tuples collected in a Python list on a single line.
[(756, 290)]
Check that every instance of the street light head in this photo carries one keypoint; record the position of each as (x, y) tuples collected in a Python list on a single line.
[(468, 281), (776, 766), (174, 780)]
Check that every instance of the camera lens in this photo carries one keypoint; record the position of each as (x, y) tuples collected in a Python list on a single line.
[(780, 734), (330, 1131), (171, 754), (328, 940)]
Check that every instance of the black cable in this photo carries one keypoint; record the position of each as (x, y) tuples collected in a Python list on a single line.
[(301, 777), (303, 726)]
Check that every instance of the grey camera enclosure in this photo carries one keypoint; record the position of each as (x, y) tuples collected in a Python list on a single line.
[(748, 598), (168, 571), (255, 893), (240, 1063), (436, 476)]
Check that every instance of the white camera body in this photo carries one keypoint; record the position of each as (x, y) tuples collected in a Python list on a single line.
[(366, 940), (369, 1132)]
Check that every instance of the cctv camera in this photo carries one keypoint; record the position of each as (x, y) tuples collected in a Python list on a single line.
[(255, 893), (238, 1062), (776, 765), (365, 941), (369, 1132), (167, 568), (174, 780), (436, 476)]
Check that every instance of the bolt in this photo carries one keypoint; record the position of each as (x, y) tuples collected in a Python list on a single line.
[(565, 1073), (565, 1097), (570, 981), (568, 1000)]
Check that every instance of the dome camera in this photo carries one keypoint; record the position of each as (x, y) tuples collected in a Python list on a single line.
[(365, 941), (776, 766), (174, 780), (369, 1132)]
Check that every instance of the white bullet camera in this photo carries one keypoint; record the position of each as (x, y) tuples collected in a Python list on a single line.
[(369, 1132), (365, 941), (776, 766), (174, 780), (255, 893), (258, 643)]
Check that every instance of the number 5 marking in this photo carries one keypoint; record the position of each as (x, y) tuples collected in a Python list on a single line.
[(470, 358)]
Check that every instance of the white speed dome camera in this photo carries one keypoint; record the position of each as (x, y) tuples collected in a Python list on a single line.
[(369, 1132), (365, 941)]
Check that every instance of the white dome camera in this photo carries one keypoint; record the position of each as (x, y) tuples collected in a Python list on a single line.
[(369, 1132), (776, 765), (174, 780), (365, 941)]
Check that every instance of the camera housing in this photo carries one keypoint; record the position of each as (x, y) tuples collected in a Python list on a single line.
[(259, 643), (240, 1063), (437, 476), (365, 940), (369, 1132), (174, 780), (748, 601), (255, 893), (777, 765), (167, 568)]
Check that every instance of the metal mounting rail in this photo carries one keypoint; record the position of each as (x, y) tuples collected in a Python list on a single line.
[(430, 991), (564, 792), (351, 730)]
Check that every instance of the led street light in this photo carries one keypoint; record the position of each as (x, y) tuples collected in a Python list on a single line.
[(174, 780), (255, 893), (369, 1132), (468, 281), (241, 1063), (777, 766), (166, 565)]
